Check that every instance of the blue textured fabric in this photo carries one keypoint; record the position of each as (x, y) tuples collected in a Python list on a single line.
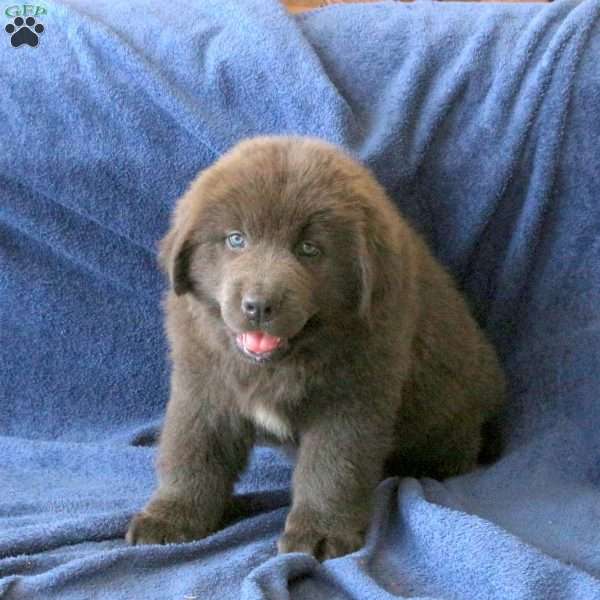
[(483, 123)]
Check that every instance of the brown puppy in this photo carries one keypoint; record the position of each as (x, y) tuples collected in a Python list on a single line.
[(304, 308)]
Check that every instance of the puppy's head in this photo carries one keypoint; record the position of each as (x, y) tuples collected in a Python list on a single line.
[(284, 241)]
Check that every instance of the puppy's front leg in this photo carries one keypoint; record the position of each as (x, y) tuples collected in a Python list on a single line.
[(340, 461), (202, 450)]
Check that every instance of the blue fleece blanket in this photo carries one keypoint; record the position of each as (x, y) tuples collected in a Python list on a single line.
[(483, 123)]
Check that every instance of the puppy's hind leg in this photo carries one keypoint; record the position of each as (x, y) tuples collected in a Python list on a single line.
[(439, 456)]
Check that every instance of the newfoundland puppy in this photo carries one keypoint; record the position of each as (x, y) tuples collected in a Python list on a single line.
[(304, 310)]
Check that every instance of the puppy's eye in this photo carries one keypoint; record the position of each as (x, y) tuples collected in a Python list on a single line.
[(236, 240), (307, 249)]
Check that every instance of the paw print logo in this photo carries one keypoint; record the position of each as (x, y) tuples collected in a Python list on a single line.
[(24, 32)]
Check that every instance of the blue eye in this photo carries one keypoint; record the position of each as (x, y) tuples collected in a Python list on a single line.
[(236, 240), (307, 249)]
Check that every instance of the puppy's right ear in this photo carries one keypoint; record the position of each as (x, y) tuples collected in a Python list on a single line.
[(175, 257)]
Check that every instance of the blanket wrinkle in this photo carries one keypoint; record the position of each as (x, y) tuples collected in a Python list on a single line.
[(51, 240)]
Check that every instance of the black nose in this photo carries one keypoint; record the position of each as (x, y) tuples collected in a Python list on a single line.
[(257, 309)]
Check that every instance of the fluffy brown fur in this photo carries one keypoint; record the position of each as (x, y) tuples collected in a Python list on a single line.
[(380, 367)]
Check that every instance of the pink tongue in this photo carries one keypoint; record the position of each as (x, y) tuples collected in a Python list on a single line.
[(259, 342)]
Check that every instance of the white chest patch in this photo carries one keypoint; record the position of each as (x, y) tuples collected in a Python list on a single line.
[(273, 423)]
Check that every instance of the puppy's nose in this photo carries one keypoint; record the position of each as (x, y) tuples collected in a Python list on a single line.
[(257, 309)]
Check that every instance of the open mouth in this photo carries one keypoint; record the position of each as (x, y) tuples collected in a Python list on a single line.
[(261, 346)]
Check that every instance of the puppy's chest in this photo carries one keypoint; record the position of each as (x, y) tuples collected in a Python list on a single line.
[(272, 404), (271, 425)]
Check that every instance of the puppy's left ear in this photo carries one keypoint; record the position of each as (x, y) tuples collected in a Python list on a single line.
[(367, 268), (380, 266), (174, 256)]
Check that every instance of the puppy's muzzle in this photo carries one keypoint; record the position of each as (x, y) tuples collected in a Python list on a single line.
[(259, 309)]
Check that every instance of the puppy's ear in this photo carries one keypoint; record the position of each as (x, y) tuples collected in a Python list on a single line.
[(380, 266), (367, 278), (372, 276), (174, 257)]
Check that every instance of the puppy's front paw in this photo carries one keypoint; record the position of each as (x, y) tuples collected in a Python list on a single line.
[(322, 544), (167, 523), (148, 529)]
